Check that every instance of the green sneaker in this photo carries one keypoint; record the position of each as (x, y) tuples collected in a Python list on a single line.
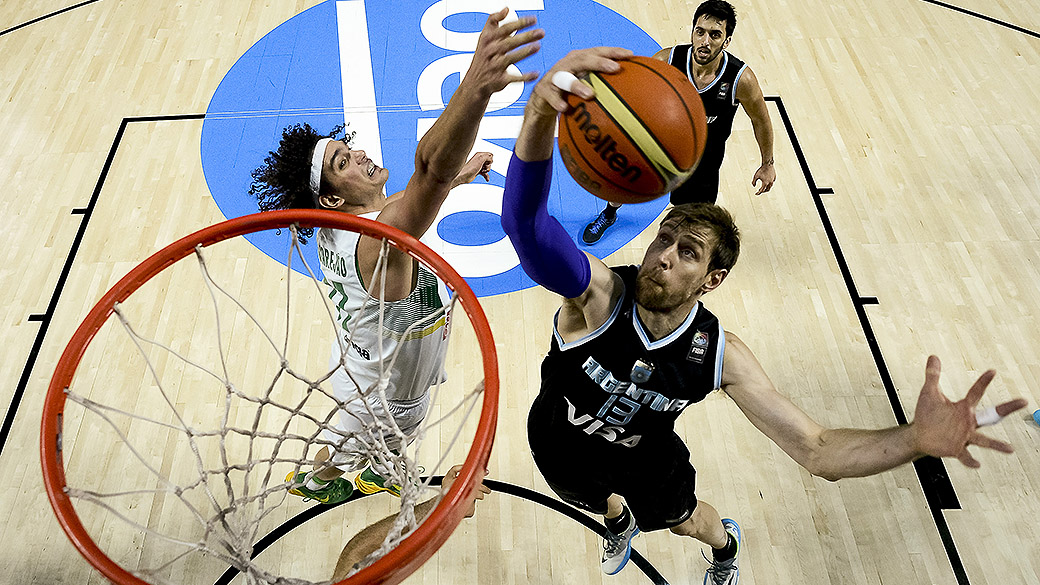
[(336, 491), (370, 482)]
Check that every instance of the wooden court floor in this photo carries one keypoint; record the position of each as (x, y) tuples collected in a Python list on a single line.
[(904, 222)]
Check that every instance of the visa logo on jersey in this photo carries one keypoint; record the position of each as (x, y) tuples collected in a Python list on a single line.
[(387, 68)]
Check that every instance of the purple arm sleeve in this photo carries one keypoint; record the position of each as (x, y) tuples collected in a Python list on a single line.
[(547, 253)]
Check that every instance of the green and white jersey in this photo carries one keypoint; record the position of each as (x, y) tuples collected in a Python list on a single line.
[(416, 327)]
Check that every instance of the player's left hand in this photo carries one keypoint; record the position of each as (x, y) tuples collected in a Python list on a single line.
[(478, 165), (767, 174), (945, 429)]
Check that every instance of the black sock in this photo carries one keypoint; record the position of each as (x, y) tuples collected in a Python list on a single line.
[(619, 524), (610, 211), (727, 552)]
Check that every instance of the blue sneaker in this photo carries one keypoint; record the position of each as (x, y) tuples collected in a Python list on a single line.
[(594, 231), (725, 572), (618, 547)]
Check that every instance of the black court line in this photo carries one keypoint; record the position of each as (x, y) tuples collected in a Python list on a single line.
[(44, 17), (496, 486), (938, 490), (986, 18), (45, 319)]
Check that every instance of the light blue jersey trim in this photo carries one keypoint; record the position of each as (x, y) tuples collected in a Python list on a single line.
[(645, 338), (613, 315), (725, 63)]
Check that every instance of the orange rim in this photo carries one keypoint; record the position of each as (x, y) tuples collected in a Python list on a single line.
[(414, 550)]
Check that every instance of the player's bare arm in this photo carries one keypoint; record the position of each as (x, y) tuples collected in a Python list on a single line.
[(590, 308), (942, 428), (478, 165), (444, 149), (749, 94)]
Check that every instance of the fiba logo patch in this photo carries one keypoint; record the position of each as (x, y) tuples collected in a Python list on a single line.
[(698, 347), (387, 69)]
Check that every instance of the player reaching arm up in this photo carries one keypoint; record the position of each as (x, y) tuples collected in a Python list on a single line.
[(633, 346), (443, 150), (546, 251), (313, 171)]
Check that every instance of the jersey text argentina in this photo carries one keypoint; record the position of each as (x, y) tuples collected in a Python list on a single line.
[(617, 387)]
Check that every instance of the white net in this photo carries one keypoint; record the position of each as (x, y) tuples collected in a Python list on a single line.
[(212, 386)]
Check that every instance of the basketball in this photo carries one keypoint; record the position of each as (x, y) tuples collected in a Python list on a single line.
[(640, 138)]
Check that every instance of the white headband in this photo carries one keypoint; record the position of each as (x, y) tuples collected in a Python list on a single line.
[(317, 159)]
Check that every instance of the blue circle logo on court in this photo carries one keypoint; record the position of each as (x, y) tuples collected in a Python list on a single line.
[(386, 68)]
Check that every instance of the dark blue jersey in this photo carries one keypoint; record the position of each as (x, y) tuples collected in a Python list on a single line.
[(720, 106), (619, 391), (719, 96)]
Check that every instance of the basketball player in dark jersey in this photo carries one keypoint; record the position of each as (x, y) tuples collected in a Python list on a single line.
[(724, 83), (633, 346)]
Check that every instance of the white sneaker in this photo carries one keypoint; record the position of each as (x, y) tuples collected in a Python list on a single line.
[(618, 547), (725, 572)]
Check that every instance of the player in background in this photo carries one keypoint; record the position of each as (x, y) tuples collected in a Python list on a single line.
[(724, 83)]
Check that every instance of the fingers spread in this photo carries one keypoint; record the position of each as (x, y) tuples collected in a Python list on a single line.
[(990, 443), (979, 387), (968, 460), (1011, 406)]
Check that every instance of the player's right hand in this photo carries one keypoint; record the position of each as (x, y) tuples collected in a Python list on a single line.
[(498, 48), (549, 99)]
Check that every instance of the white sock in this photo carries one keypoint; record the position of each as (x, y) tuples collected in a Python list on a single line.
[(316, 484)]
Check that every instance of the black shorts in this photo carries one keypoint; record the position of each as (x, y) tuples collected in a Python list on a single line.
[(656, 482), (703, 184)]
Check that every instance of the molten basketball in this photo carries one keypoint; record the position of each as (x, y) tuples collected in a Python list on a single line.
[(640, 138)]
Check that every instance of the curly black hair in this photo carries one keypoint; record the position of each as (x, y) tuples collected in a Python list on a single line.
[(283, 182)]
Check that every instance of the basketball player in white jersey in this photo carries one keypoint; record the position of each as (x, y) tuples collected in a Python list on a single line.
[(633, 346), (313, 171)]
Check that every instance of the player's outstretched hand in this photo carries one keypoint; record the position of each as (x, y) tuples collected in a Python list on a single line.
[(498, 48), (478, 165), (945, 429), (549, 95)]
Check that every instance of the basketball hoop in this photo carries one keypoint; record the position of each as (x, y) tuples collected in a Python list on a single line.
[(55, 444)]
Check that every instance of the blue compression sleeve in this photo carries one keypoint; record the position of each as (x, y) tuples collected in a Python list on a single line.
[(547, 253)]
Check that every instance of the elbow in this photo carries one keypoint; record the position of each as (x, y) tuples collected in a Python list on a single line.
[(818, 466), (829, 476), (426, 165)]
